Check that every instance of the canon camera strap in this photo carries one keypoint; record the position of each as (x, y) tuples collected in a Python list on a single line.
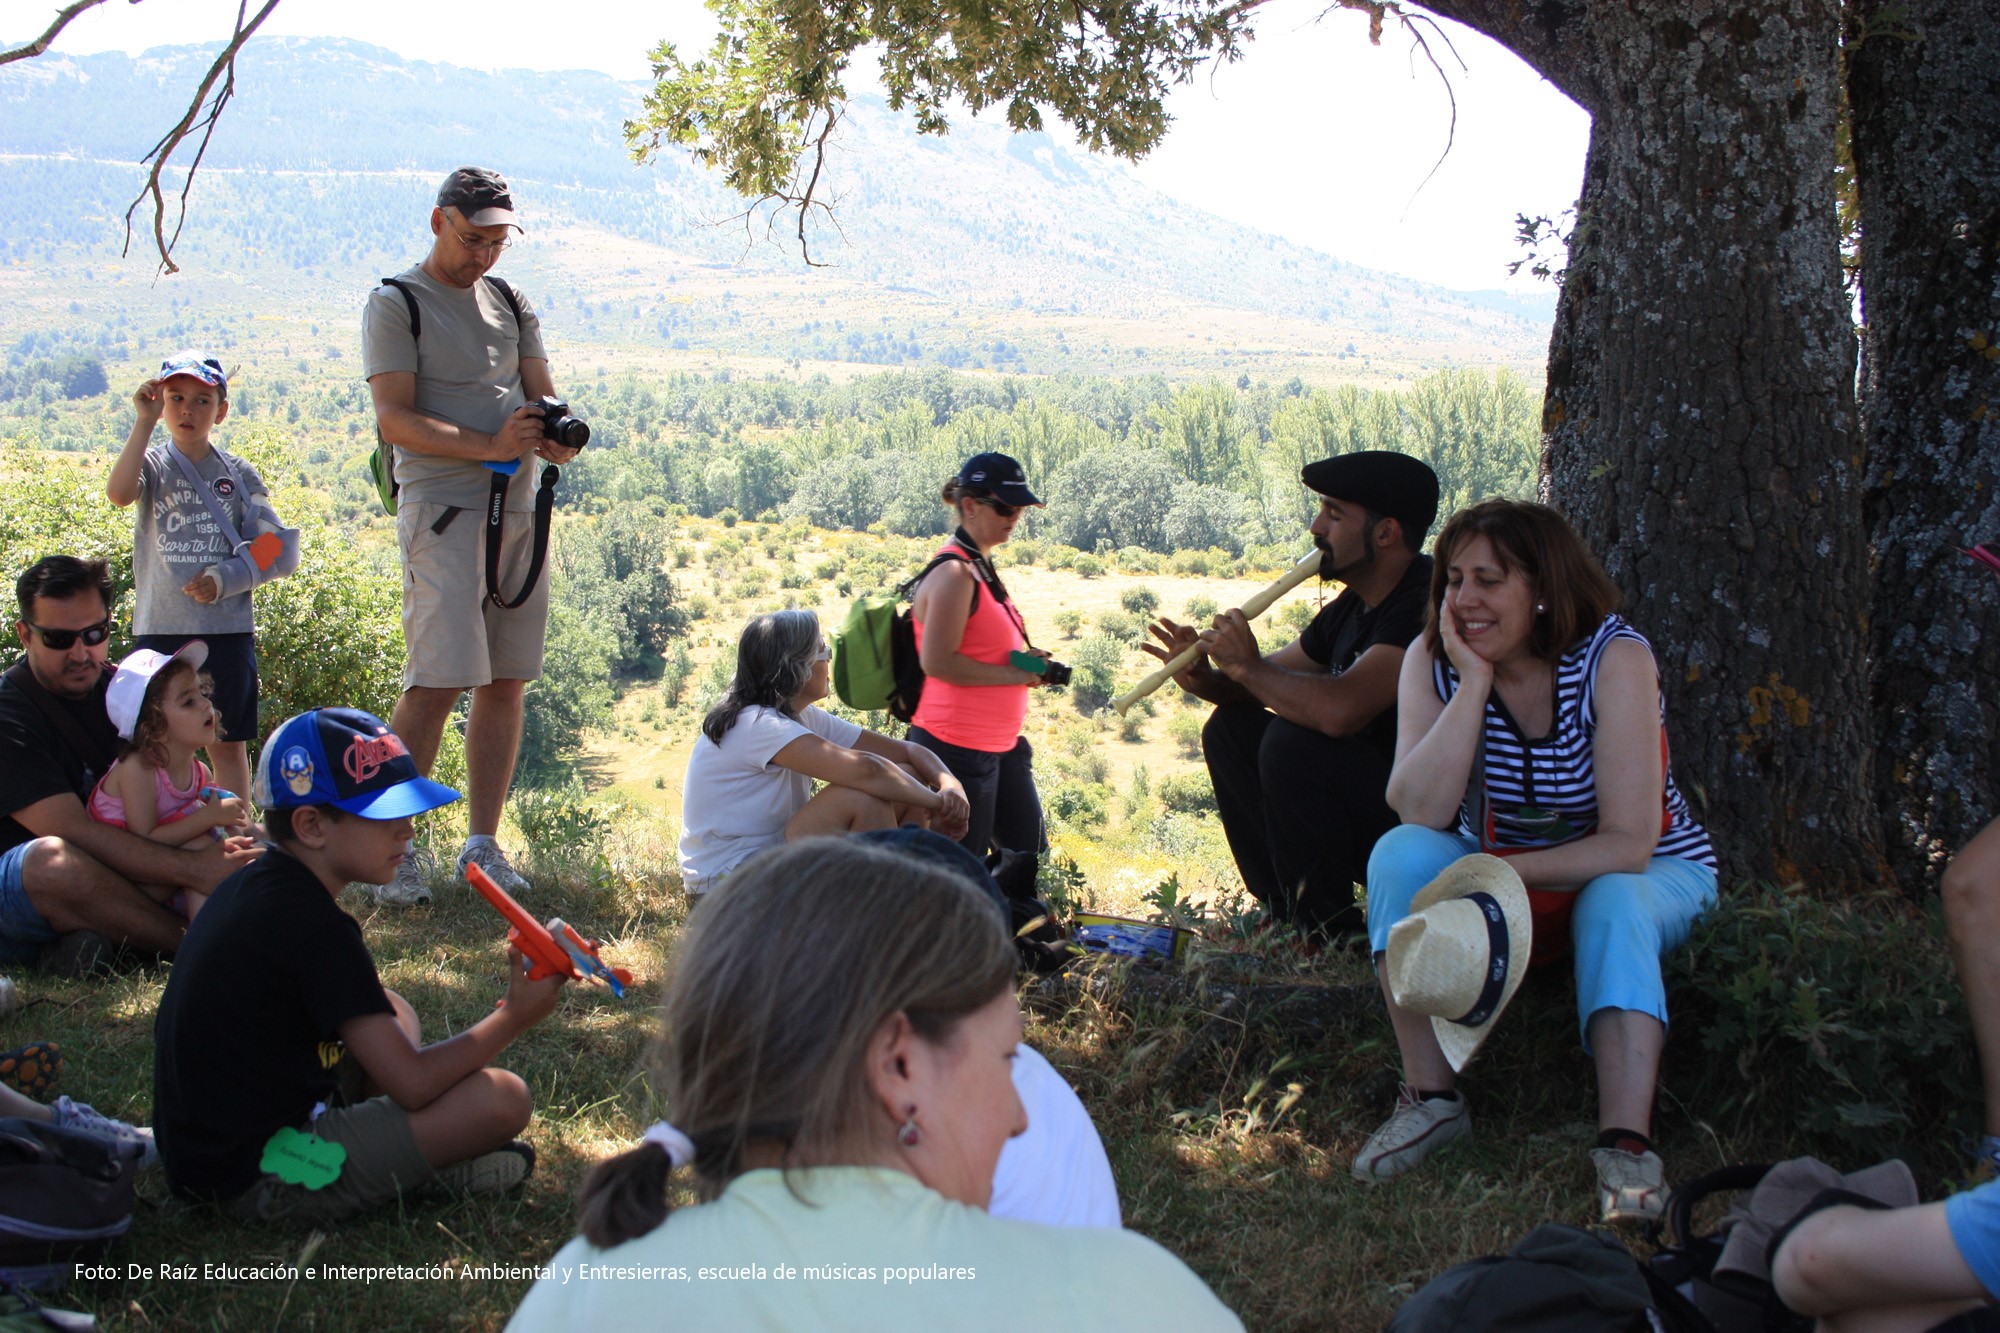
[(496, 523)]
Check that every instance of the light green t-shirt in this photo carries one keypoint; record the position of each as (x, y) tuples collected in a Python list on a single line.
[(875, 1251), (467, 361)]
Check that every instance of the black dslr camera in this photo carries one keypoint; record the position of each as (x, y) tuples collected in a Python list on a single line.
[(559, 426), (1057, 674)]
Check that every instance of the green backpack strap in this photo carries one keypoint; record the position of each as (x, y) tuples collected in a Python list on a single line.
[(382, 462)]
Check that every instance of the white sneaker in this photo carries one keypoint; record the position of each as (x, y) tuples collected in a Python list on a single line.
[(488, 857), (412, 885), (1631, 1187), (1416, 1130), (133, 1140)]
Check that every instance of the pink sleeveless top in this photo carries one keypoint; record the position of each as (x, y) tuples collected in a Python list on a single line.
[(173, 803), (978, 717)]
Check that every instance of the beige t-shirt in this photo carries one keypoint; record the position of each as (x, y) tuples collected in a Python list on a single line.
[(468, 368), (875, 1251)]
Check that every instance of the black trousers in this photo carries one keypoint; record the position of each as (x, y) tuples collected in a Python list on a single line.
[(1000, 788), (1302, 811)]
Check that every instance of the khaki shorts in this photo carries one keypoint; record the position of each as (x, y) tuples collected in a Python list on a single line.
[(383, 1164), (454, 637)]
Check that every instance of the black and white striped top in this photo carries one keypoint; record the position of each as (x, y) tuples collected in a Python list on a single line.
[(1543, 792)]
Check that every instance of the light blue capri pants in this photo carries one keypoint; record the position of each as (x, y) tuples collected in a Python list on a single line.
[(1622, 926)]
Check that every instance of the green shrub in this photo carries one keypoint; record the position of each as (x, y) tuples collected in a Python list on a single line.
[(730, 518), (1061, 557), (1069, 622), (1093, 678), (1080, 805), (1187, 793), (1192, 562), (1138, 560), (1088, 566), (1140, 600), (558, 821), (1201, 611), (1185, 732), (1131, 727), (1118, 625), (1842, 1021)]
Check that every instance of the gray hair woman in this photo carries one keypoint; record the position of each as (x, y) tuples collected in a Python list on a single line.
[(839, 1028), (749, 780)]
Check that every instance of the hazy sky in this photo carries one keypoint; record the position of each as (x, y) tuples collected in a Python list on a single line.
[(1315, 135)]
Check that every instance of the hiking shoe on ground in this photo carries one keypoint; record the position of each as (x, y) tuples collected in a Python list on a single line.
[(488, 1173), (79, 954), (488, 857), (32, 1070), (412, 885), (1417, 1129), (134, 1140), (1632, 1187)]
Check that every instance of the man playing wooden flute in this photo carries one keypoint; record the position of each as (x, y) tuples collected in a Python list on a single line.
[(1301, 740)]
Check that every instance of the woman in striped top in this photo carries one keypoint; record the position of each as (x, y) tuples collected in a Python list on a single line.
[(1534, 729)]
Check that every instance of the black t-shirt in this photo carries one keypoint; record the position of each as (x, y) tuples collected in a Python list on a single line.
[(247, 1036), (1345, 629), (38, 759)]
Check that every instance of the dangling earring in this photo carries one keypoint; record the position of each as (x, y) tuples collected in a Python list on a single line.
[(908, 1135)]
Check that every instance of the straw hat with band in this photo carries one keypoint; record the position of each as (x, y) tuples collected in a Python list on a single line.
[(1461, 953)]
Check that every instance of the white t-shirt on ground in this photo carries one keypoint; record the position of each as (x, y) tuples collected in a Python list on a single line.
[(1056, 1172), (733, 802)]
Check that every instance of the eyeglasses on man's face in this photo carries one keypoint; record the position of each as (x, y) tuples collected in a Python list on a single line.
[(479, 245), (62, 640)]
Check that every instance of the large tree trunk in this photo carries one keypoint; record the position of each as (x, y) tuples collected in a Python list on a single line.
[(1700, 421), (1924, 82)]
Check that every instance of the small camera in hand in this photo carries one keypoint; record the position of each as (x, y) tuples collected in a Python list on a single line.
[(1053, 673), (559, 426)]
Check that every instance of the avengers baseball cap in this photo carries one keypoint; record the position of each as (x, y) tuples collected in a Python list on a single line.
[(480, 196), (207, 369), (347, 759), (126, 694), (996, 475)]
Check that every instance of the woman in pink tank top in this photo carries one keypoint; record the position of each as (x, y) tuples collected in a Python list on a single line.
[(974, 698)]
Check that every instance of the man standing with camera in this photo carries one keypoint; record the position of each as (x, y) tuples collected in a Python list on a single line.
[(455, 364)]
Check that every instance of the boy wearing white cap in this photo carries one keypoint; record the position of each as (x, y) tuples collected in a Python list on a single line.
[(204, 537)]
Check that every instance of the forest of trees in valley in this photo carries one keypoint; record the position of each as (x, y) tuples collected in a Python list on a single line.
[(1202, 478)]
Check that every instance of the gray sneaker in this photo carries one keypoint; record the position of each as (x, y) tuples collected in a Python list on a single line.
[(132, 1140), (1631, 1187), (488, 857), (488, 1173), (412, 885), (1417, 1129)]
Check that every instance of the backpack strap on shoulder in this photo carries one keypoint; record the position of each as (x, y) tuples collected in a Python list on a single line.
[(909, 589), (410, 300), (501, 286)]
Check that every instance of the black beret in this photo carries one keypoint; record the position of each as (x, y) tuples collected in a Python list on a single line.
[(1387, 482)]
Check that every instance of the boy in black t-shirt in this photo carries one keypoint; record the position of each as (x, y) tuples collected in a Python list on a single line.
[(274, 1006)]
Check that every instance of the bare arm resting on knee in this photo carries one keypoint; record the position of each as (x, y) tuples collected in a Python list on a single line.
[(875, 774), (137, 859)]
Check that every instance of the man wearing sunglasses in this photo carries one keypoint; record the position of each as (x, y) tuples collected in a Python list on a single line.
[(69, 886), (453, 359)]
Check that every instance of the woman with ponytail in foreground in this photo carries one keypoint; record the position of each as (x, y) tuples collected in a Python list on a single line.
[(839, 1026)]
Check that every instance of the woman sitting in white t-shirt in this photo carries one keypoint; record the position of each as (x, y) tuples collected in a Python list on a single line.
[(749, 781)]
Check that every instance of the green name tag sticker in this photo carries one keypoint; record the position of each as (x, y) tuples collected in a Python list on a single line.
[(302, 1159)]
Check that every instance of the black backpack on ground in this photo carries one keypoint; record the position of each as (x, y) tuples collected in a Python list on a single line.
[(1558, 1279), (1686, 1259), (64, 1197)]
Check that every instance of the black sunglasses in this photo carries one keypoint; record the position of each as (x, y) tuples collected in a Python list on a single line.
[(62, 640), (1002, 509)]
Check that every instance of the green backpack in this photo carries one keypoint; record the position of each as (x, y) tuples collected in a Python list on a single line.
[(875, 664)]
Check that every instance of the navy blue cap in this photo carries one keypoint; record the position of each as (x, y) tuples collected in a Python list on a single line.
[(347, 759), (207, 369), (998, 476), (1383, 480)]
